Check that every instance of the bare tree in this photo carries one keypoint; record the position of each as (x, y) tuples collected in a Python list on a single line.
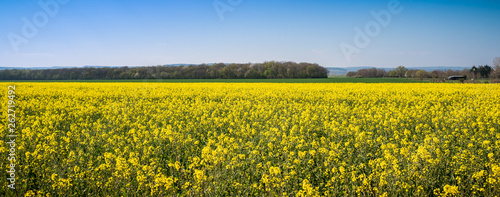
[(496, 62), (421, 74), (382, 73)]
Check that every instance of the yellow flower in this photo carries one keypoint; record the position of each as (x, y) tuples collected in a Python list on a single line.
[(449, 190), (199, 176)]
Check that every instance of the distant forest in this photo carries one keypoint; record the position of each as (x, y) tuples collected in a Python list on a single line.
[(475, 72), (269, 70)]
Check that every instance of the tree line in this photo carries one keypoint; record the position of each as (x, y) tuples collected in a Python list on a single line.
[(476, 72), (269, 70)]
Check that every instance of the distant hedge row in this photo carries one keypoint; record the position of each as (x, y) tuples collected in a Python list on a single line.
[(403, 72), (270, 70)]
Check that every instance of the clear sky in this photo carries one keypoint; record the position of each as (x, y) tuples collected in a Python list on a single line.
[(332, 33)]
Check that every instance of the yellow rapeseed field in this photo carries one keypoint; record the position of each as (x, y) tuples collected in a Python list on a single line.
[(237, 139)]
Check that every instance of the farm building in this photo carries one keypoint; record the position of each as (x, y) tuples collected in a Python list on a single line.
[(457, 77)]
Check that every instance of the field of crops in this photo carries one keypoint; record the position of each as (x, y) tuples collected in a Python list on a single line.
[(237, 139)]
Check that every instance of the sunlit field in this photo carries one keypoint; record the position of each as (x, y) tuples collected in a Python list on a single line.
[(258, 139)]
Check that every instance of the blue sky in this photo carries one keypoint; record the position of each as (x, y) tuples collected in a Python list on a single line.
[(156, 32)]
